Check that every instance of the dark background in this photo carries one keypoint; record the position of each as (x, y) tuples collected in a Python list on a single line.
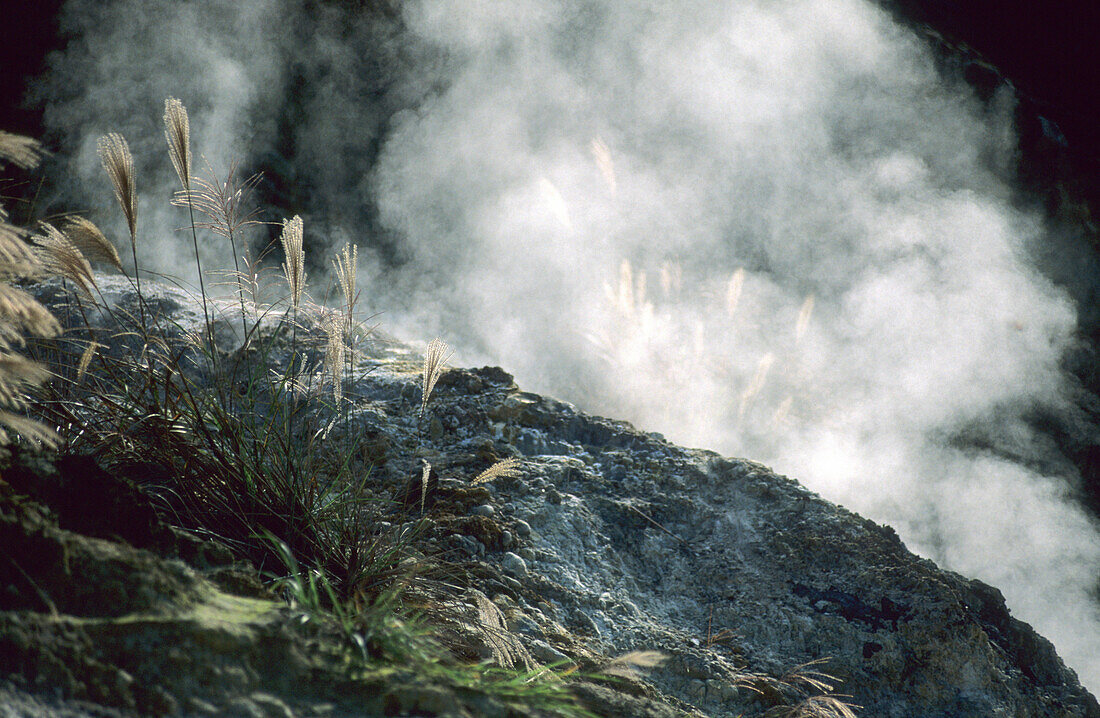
[(1049, 50)]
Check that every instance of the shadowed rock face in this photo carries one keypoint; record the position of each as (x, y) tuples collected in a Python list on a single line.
[(611, 540)]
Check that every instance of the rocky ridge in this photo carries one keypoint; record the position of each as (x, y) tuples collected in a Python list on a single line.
[(610, 540)]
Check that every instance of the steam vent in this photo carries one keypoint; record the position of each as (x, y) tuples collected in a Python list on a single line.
[(311, 314)]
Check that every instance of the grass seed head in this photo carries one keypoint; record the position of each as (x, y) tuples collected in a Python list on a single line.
[(627, 664), (16, 257), (91, 242), (335, 355), (177, 130), (295, 266), (114, 153), (61, 257), (505, 469), (346, 265), (435, 357), (21, 151)]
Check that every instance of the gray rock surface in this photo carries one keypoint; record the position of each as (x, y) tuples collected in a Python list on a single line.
[(621, 541)]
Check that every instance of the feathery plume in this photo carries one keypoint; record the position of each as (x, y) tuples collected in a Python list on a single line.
[(17, 374), (90, 241), (16, 257), (816, 707), (425, 474), (177, 131), (335, 355), (506, 648), (295, 266), (61, 257), (222, 202), (504, 469), (804, 315), (346, 264), (20, 312), (602, 155), (626, 664), (86, 359), (733, 291), (436, 355), (114, 153), (671, 278), (29, 429), (21, 151), (757, 383)]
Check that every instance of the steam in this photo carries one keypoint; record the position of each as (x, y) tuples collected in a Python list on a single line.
[(769, 229)]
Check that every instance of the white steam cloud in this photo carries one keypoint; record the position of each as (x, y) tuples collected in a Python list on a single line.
[(771, 229)]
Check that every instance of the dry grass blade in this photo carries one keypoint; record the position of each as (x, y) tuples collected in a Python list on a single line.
[(808, 675), (294, 269), (177, 131), (504, 469), (114, 153), (627, 664), (91, 242), (61, 257), (19, 150), (435, 357)]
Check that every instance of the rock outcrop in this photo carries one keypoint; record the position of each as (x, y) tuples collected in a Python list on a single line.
[(610, 540)]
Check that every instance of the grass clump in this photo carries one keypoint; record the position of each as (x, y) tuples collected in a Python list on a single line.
[(233, 442)]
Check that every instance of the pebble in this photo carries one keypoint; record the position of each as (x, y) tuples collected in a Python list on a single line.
[(513, 564), (527, 553), (523, 528), (483, 510), (507, 539), (545, 653)]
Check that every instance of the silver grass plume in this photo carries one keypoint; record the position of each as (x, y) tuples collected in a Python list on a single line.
[(23, 152), (62, 258), (346, 265), (16, 257), (505, 469), (335, 355), (507, 650), (91, 242), (114, 153), (434, 358), (830, 706), (20, 313), (118, 163), (177, 131), (86, 359), (425, 474), (295, 266), (627, 664)]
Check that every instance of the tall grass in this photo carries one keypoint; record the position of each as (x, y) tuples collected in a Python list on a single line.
[(20, 314), (233, 447)]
